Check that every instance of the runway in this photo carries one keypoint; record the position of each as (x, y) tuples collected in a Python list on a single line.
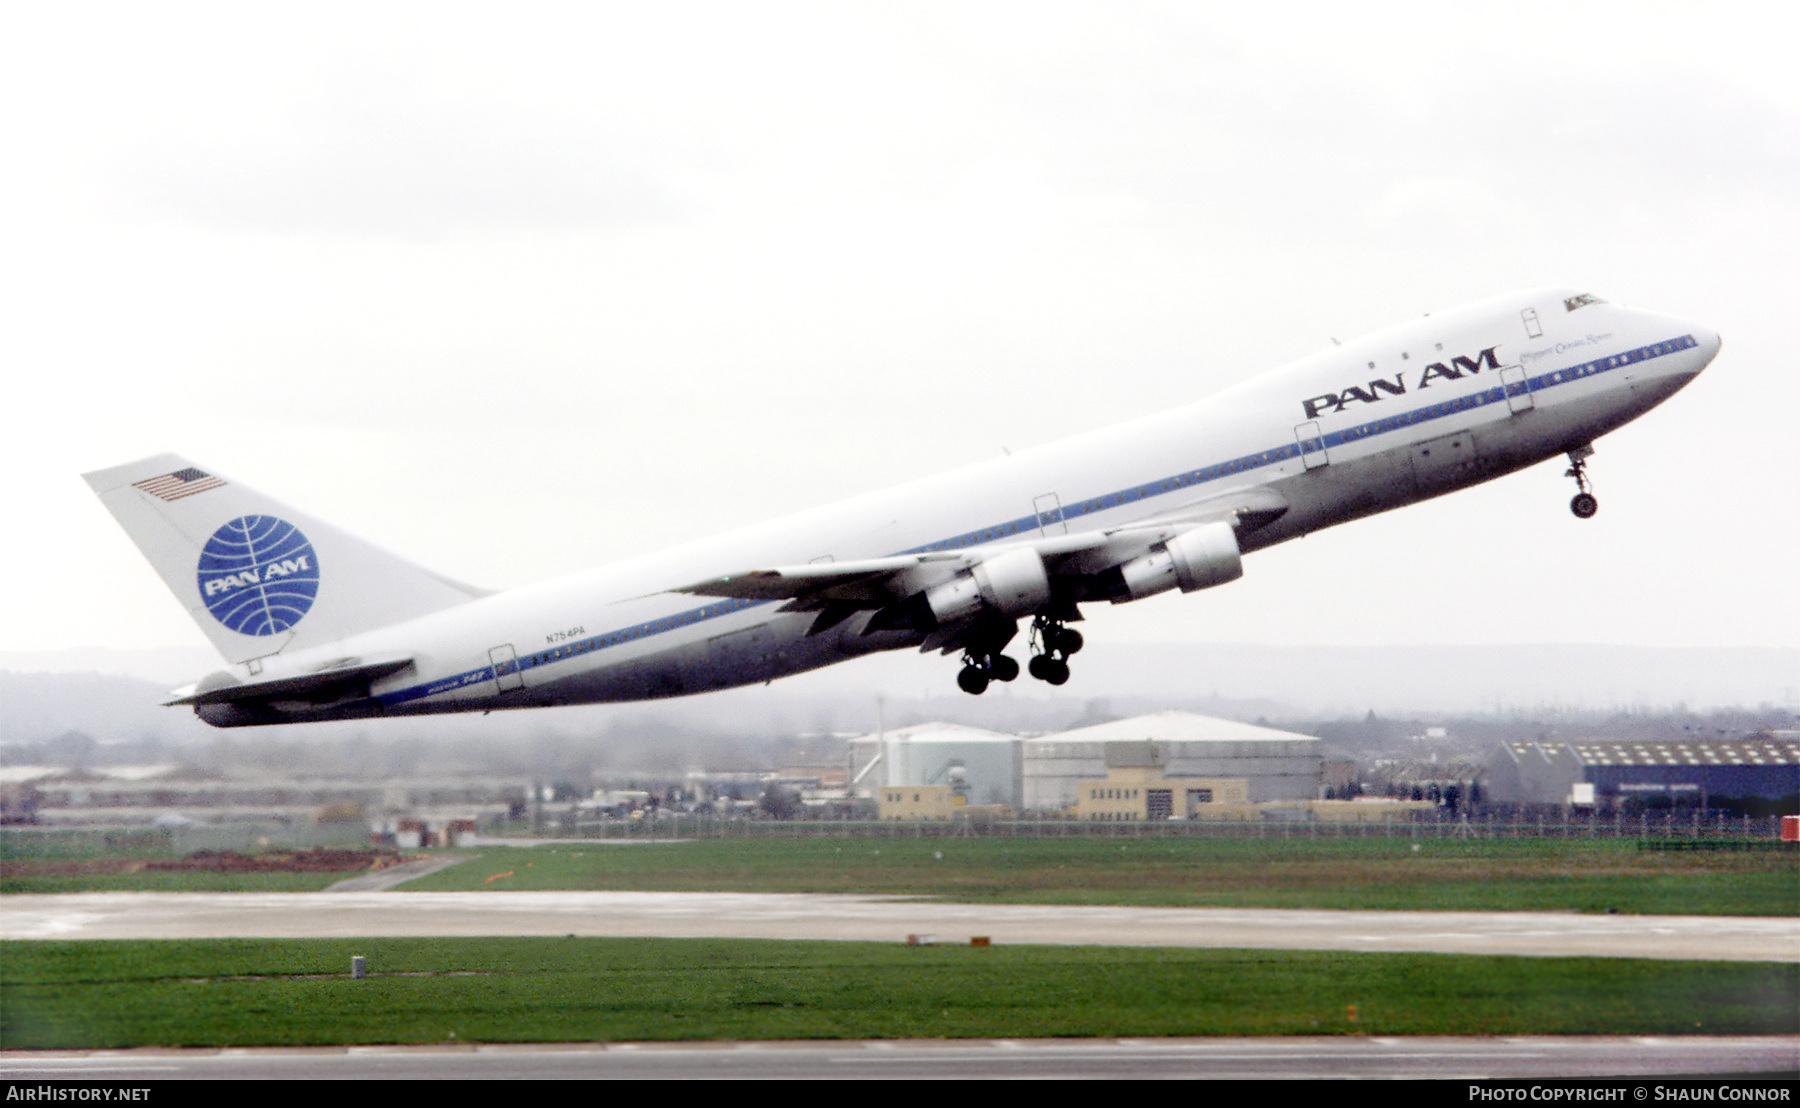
[(1632, 1062), (884, 919)]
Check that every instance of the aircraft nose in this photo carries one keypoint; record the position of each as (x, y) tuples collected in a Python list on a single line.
[(1709, 343), (1688, 360), (1694, 358)]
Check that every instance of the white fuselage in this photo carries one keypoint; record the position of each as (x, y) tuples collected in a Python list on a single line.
[(1402, 415)]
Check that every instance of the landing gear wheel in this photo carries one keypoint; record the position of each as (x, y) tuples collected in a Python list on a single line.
[(1065, 641), (1057, 642), (1584, 505), (1002, 668), (972, 680)]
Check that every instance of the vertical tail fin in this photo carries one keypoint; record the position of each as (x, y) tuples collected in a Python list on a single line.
[(256, 575)]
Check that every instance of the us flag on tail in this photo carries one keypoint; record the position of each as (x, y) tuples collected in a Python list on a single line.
[(181, 483)]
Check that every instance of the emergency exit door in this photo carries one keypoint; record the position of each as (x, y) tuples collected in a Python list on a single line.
[(506, 668), (1312, 444)]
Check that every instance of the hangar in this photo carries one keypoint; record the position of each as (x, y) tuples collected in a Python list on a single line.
[(1611, 774), (1272, 765)]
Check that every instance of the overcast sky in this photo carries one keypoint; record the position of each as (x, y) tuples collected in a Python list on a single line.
[(520, 289)]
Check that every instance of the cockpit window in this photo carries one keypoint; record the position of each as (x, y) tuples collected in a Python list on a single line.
[(1581, 301)]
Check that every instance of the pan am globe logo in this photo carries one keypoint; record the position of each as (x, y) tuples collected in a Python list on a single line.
[(258, 575)]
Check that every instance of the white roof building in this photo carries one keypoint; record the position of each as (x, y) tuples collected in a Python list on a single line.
[(1277, 765), (987, 762)]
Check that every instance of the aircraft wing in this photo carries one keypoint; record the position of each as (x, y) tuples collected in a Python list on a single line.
[(849, 586), (866, 579)]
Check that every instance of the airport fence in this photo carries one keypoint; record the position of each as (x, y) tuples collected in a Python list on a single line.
[(1673, 827), (165, 842)]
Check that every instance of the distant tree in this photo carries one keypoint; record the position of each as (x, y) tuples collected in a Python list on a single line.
[(779, 803), (71, 748)]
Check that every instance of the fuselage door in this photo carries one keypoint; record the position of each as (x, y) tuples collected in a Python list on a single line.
[(506, 668), (1050, 514), (1312, 444), (1518, 390)]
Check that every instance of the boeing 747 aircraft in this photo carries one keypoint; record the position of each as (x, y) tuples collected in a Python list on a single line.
[(316, 624)]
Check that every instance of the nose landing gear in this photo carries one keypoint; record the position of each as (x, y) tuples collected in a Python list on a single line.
[(1584, 505)]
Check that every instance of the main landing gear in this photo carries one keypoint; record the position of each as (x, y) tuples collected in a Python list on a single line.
[(979, 669), (1051, 643), (1054, 643), (1584, 505)]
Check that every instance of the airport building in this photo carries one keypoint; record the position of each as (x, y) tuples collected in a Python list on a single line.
[(981, 766), (1144, 792), (141, 795), (1608, 774), (1271, 765), (927, 803)]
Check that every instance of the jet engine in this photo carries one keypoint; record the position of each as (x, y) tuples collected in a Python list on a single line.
[(1014, 584), (1197, 559)]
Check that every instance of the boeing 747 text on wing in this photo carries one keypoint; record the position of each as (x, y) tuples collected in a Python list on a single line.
[(316, 624)]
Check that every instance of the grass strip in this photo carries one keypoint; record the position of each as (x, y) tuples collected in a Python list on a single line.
[(115, 994), (150, 881), (1356, 874)]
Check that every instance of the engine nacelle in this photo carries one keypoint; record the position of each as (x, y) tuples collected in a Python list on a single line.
[(1197, 559), (954, 599), (1014, 584)]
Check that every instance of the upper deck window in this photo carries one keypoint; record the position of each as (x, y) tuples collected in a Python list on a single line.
[(1581, 301)]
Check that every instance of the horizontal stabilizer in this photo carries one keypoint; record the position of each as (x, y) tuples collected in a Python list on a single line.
[(342, 679)]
